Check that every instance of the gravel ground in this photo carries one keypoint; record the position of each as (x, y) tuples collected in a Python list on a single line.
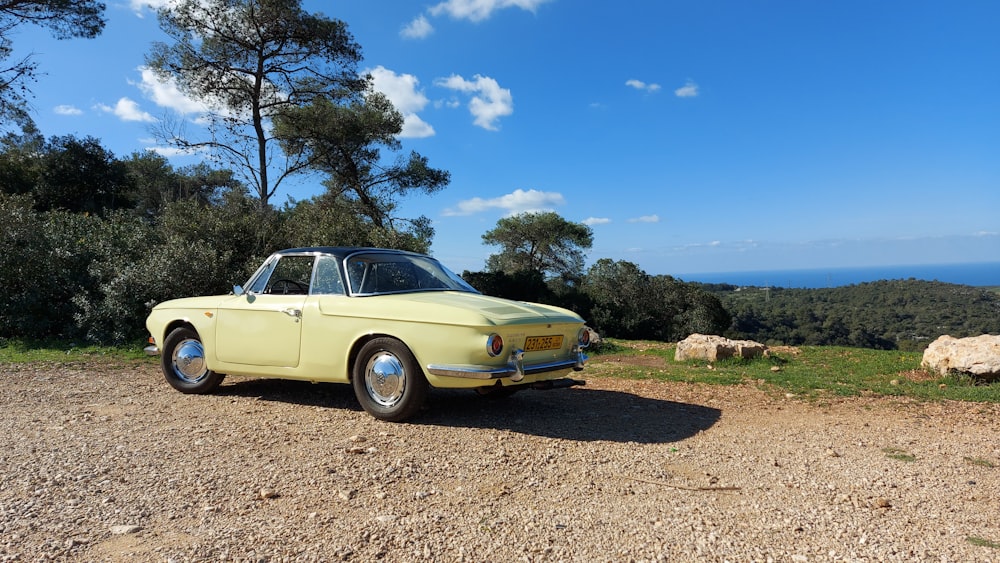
[(107, 463)]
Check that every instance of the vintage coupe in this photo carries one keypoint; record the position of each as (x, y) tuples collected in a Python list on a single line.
[(388, 322)]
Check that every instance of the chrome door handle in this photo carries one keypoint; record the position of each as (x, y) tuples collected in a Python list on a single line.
[(297, 313)]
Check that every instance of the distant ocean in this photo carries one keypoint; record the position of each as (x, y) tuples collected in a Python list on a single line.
[(978, 274)]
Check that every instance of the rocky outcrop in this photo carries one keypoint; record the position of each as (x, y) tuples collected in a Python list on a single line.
[(977, 355), (711, 348)]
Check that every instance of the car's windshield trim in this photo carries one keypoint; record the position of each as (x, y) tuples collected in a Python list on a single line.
[(454, 281)]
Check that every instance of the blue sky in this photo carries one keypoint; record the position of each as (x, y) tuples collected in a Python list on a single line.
[(691, 135)]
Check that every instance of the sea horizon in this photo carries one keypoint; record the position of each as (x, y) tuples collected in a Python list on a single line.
[(979, 274)]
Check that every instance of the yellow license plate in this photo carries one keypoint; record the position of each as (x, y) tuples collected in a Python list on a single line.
[(538, 343)]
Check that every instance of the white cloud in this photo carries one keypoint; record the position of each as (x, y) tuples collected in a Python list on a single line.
[(640, 85), (401, 89), (645, 219), (127, 110), (168, 152), (419, 28), (479, 10), (489, 101), (688, 90), (519, 201), (166, 94), (67, 110), (596, 221), (139, 5)]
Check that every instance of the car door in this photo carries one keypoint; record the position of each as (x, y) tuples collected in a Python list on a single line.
[(263, 327)]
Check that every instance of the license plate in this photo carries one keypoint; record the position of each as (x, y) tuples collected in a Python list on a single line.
[(538, 343)]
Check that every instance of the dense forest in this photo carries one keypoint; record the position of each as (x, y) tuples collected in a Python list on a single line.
[(896, 314)]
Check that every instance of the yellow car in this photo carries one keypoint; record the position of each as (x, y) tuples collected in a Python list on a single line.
[(389, 322)]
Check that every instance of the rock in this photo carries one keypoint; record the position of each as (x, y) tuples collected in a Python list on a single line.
[(711, 348), (122, 530), (977, 355)]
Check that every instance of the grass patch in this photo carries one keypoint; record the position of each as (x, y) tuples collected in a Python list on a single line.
[(57, 351), (898, 454), (812, 372), (979, 462), (982, 542)]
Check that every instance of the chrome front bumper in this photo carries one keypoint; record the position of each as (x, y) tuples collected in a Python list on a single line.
[(515, 369), (151, 350)]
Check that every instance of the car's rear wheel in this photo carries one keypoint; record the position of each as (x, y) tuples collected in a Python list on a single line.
[(387, 380), (184, 364)]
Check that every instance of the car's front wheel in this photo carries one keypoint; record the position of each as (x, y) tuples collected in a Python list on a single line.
[(387, 380), (184, 365)]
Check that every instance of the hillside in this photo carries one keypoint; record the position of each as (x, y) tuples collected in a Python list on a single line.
[(888, 314)]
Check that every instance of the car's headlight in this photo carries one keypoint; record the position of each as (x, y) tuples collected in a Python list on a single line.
[(494, 345)]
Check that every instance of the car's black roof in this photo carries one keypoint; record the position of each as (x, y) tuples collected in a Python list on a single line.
[(341, 251)]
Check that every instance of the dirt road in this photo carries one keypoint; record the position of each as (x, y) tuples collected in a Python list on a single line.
[(109, 464)]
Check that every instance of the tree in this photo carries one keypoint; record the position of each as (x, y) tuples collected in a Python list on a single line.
[(328, 220), (80, 175), (248, 60), (544, 242), (629, 303), (157, 183), (343, 142), (65, 18)]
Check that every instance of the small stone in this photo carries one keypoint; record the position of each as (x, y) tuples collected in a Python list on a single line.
[(830, 452), (356, 439), (775, 368), (356, 450), (882, 502), (267, 493), (894, 382), (124, 529), (346, 495)]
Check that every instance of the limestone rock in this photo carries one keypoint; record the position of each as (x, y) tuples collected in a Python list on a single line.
[(711, 348), (977, 355)]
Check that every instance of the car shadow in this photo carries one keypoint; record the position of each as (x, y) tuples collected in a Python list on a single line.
[(579, 413)]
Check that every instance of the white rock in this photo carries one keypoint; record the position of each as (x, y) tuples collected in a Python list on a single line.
[(977, 355), (711, 348)]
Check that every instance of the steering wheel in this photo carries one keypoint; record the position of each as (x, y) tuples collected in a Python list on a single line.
[(283, 286)]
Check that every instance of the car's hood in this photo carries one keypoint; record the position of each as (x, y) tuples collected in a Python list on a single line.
[(497, 308), (449, 307)]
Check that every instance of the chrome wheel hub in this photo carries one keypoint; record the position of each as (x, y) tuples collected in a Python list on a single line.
[(188, 361), (385, 379)]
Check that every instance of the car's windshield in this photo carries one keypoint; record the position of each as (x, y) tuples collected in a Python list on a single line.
[(372, 273)]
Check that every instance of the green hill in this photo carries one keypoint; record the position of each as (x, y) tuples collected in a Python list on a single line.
[(896, 314)]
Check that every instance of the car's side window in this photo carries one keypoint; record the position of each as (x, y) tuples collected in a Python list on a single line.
[(327, 279), (290, 276)]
